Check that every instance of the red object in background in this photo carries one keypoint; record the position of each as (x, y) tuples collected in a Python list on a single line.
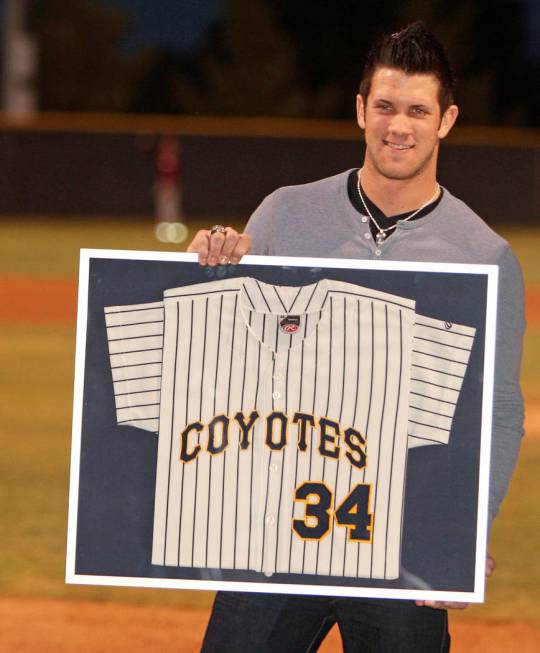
[(170, 227), (169, 160)]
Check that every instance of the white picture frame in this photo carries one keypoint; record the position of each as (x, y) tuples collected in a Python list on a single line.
[(99, 466)]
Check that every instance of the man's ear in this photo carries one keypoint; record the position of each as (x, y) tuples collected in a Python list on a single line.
[(448, 120), (360, 112)]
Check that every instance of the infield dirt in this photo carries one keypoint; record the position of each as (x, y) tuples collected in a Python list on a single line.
[(49, 626)]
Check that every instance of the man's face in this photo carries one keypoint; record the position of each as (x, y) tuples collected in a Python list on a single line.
[(403, 123)]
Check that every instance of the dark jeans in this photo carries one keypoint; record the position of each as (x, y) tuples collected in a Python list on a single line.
[(276, 623)]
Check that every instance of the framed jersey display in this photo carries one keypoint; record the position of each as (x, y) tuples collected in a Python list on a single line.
[(291, 425)]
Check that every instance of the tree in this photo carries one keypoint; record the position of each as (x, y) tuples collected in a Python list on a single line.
[(486, 43), (499, 34), (80, 67), (250, 67), (332, 40), (485, 40)]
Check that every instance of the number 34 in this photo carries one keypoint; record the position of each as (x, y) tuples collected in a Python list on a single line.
[(353, 512)]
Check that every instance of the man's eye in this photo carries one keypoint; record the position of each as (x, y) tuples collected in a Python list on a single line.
[(418, 111)]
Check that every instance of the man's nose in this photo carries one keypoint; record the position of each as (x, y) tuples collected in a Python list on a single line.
[(400, 124)]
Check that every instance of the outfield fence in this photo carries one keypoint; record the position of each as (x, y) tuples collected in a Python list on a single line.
[(103, 165)]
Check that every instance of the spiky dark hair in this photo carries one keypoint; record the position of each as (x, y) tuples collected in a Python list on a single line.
[(413, 50)]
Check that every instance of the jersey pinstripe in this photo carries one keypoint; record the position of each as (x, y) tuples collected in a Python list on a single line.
[(284, 451)]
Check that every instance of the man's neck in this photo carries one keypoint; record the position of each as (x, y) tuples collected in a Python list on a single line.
[(397, 196)]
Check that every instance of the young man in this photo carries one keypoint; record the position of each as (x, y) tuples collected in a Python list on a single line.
[(393, 209)]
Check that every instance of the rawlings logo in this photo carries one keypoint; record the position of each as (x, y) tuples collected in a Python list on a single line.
[(290, 328), (290, 323)]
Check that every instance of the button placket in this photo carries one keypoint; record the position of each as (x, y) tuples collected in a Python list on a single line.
[(275, 463), (377, 248), (264, 405)]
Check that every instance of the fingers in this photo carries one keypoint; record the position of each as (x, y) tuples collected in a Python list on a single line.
[(490, 565), (442, 605), (456, 605), (216, 252), (228, 247), (242, 247), (200, 245), (220, 248)]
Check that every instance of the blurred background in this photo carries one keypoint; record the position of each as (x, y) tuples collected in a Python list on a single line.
[(262, 58), (104, 99), (133, 123)]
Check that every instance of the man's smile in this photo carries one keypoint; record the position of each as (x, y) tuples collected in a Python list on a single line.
[(397, 146)]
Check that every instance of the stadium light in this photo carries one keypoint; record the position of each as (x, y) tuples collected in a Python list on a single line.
[(19, 95)]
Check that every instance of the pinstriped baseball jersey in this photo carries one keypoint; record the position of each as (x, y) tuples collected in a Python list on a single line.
[(285, 415)]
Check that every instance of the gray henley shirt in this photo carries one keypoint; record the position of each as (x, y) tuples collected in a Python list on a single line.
[(318, 220)]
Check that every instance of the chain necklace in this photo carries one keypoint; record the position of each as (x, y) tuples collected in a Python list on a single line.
[(382, 233)]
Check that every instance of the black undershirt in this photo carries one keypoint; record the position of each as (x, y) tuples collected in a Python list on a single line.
[(383, 220)]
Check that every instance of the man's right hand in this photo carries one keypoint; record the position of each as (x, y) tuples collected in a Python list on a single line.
[(220, 247)]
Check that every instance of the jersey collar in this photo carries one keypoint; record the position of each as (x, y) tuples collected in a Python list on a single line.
[(282, 300)]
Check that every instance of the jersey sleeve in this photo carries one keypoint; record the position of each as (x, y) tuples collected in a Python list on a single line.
[(135, 339), (439, 360)]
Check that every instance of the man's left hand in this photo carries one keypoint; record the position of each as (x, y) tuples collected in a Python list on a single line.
[(456, 605)]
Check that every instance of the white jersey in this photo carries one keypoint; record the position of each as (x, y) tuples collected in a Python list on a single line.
[(285, 415)]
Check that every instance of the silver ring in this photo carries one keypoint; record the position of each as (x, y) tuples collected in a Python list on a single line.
[(217, 229)]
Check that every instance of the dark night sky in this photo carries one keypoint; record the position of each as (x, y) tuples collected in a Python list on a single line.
[(181, 25), (178, 25)]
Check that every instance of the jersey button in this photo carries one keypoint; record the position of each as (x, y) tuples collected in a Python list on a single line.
[(364, 218), (276, 395), (378, 252), (273, 467), (367, 236), (270, 520)]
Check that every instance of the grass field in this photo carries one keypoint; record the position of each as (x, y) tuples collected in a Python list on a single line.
[(36, 378)]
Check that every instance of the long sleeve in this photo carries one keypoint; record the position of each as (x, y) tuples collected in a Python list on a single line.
[(507, 401)]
